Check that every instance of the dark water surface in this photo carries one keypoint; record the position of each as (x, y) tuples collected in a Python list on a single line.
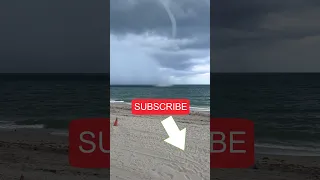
[(52, 100), (284, 107)]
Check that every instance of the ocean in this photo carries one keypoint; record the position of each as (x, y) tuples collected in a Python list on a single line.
[(199, 95), (284, 107), (51, 101)]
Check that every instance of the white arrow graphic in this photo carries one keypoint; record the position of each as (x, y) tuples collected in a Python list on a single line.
[(176, 138)]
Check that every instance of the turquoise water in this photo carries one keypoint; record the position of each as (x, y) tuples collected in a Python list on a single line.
[(199, 95)]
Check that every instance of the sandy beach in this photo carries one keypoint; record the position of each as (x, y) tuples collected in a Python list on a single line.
[(138, 152)]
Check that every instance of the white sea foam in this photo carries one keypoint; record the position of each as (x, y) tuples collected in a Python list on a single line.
[(17, 126)]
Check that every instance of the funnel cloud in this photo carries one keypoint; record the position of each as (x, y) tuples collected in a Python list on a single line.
[(159, 42)]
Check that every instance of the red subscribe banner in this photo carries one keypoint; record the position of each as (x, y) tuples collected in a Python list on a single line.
[(231, 143), (89, 143), (160, 106)]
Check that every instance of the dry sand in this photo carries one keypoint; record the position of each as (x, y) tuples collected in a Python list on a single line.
[(138, 152)]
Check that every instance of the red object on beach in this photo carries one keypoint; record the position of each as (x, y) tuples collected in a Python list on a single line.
[(116, 122)]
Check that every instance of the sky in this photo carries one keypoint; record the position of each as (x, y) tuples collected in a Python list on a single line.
[(160, 42), (54, 36), (265, 36)]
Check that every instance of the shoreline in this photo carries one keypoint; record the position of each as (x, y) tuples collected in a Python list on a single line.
[(24, 152), (138, 152), (261, 147), (200, 108)]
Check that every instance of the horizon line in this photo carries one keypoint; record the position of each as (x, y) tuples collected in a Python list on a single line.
[(27, 73), (159, 86)]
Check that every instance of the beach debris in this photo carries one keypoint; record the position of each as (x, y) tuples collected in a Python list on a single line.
[(116, 122)]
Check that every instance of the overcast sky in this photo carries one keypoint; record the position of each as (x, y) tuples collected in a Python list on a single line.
[(265, 36), (151, 44), (160, 41), (53, 36)]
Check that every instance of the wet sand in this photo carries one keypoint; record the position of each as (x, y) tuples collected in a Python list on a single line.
[(139, 152)]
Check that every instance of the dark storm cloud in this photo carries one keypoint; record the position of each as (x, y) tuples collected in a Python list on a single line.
[(249, 14), (192, 19), (265, 36), (179, 62), (54, 36), (146, 15)]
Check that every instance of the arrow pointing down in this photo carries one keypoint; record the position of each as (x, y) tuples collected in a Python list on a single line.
[(176, 138)]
